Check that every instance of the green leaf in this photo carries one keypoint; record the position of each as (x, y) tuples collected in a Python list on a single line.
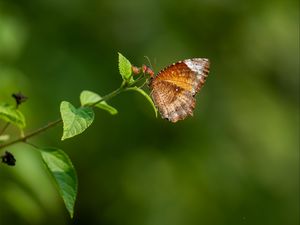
[(10, 114), (62, 170), (75, 120), (141, 91), (124, 67), (88, 98)]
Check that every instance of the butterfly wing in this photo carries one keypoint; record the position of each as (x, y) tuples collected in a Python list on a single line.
[(174, 88)]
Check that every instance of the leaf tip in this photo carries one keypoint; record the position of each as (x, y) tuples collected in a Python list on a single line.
[(124, 67), (60, 166)]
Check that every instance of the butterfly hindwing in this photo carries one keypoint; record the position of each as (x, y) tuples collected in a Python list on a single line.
[(174, 103)]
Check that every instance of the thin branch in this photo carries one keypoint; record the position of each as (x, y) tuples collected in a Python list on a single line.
[(58, 121), (110, 95), (4, 128), (32, 134)]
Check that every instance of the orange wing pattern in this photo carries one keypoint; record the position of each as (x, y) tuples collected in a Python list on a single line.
[(174, 88)]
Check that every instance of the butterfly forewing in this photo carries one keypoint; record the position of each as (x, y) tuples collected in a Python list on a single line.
[(174, 88)]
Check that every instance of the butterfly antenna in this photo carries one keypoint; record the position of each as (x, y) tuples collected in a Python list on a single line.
[(149, 61)]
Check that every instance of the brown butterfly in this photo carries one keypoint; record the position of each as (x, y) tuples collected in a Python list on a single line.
[(174, 88)]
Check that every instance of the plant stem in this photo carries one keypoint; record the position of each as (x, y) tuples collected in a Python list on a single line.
[(32, 134), (4, 128), (58, 121), (110, 95)]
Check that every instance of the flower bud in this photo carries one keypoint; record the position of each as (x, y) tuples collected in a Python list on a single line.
[(135, 70), (150, 72), (144, 68)]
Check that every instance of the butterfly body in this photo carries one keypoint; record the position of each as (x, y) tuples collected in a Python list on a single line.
[(174, 88)]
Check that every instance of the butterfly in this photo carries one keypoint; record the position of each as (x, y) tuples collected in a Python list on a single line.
[(174, 88)]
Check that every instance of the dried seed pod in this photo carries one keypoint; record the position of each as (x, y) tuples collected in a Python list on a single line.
[(8, 159), (19, 97)]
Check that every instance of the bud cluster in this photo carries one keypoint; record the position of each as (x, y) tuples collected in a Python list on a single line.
[(144, 69)]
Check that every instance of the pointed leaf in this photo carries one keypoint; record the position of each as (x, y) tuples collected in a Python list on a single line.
[(62, 170), (141, 91), (10, 114), (88, 98), (124, 67), (75, 121)]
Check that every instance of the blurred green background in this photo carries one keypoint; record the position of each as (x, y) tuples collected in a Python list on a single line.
[(235, 162)]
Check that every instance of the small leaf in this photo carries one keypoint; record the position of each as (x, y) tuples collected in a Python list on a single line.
[(10, 114), (103, 105), (141, 91), (124, 67), (75, 120), (88, 98), (62, 170)]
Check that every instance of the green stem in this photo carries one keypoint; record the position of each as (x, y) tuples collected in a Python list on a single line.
[(4, 128), (138, 79), (110, 95), (58, 121), (32, 134)]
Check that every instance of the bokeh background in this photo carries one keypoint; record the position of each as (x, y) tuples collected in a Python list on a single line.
[(235, 162)]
